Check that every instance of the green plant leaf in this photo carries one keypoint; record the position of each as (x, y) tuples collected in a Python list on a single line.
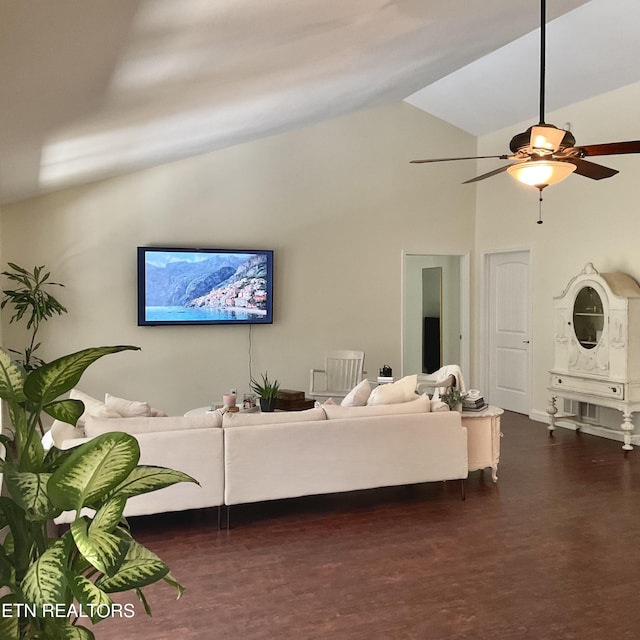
[(109, 514), (89, 596), (140, 552), (29, 490), (68, 411), (45, 582), (134, 574), (55, 457), (104, 550), (50, 381), (143, 599), (60, 630), (172, 582), (147, 478), (6, 568), (12, 378), (18, 541), (92, 470), (9, 626)]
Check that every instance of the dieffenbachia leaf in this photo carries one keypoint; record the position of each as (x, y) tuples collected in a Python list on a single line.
[(9, 624), (11, 379), (92, 599), (146, 478), (51, 380), (109, 514), (68, 411), (104, 550), (93, 470), (29, 490), (138, 551), (45, 583), (140, 568), (63, 631)]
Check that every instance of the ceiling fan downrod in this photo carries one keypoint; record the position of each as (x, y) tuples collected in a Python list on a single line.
[(543, 47)]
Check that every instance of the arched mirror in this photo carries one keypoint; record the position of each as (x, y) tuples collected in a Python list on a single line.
[(588, 317)]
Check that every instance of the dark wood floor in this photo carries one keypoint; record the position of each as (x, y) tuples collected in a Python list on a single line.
[(550, 552)]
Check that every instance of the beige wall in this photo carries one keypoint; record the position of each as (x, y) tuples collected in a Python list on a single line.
[(584, 220), (338, 202)]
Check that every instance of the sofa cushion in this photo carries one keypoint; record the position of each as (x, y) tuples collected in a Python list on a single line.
[(61, 431), (438, 405), (146, 424), (358, 396), (421, 404), (402, 390), (242, 419), (127, 408)]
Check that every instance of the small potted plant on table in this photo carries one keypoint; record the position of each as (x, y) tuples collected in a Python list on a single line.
[(453, 398), (267, 390)]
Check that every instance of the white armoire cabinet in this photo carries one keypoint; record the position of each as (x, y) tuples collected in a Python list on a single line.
[(597, 346)]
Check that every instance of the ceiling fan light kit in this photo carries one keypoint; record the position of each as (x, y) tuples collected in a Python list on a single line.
[(544, 154), (541, 173)]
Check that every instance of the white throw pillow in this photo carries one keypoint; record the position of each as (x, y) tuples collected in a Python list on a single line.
[(358, 396), (127, 408), (402, 390), (421, 404), (103, 412), (276, 417)]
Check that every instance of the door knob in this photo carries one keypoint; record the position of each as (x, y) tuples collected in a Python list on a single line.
[(525, 342)]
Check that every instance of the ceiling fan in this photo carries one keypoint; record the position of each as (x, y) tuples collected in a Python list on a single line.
[(545, 154)]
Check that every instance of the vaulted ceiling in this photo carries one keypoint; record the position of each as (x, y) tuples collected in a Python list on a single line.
[(96, 89)]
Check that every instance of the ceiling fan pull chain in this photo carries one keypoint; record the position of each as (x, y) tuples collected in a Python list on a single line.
[(540, 206)]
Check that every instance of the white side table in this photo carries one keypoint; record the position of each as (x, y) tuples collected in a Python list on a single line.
[(483, 438)]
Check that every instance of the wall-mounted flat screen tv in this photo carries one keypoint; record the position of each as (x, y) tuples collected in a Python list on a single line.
[(204, 286)]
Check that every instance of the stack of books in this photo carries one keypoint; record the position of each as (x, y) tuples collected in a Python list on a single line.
[(473, 404), (291, 400)]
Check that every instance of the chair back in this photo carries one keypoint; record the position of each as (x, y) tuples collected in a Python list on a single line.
[(344, 369)]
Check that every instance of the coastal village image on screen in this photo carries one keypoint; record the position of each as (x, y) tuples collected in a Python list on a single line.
[(205, 287)]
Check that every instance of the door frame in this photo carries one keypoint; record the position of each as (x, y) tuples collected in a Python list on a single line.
[(485, 306), (465, 306)]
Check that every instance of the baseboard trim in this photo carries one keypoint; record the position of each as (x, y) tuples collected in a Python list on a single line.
[(591, 429)]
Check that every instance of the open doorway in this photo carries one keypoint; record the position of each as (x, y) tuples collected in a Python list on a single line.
[(435, 324)]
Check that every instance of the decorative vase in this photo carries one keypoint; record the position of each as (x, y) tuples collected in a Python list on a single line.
[(267, 404)]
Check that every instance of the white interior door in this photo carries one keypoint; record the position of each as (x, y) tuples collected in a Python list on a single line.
[(509, 330)]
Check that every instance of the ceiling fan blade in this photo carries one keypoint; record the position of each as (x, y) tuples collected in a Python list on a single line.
[(495, 172), (591, 169), (609, 148), (503, 157)]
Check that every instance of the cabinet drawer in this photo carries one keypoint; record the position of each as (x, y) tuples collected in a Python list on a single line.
[(594, 387)]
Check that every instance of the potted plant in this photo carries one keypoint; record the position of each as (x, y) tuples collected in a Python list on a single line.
[(453, 398), (48, 584), (267, 390), (31, 300)]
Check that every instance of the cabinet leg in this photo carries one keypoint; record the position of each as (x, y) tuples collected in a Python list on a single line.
[(627, 428), (552, 410)]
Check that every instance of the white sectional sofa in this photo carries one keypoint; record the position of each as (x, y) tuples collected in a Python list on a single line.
[(192, 445), (315, 454), (250, 457)]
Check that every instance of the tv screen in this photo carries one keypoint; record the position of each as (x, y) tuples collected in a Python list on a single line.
[(204, 286)]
